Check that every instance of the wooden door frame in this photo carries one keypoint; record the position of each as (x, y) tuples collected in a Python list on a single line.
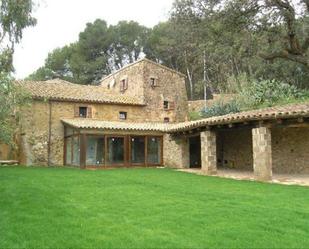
[(161, 152), (125, 151), (86, 146), (130, 150)]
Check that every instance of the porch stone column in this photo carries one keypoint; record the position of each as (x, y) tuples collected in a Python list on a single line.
[(262, 153), (209, 152)]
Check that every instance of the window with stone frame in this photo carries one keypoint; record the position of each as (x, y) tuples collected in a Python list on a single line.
[(123, 85), (123, 115), (168, 105), (153, 81), (166, 120), (83, 111)]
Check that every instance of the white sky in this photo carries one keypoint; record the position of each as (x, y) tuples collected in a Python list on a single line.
[(60, 22)]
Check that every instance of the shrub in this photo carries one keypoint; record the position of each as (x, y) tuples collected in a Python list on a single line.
[(268, 92), (194, 115), (220, 108)]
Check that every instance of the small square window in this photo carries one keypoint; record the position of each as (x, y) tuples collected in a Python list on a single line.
[(122, 115), (152, 82), (166, 105), (82, 112), (166, 120)]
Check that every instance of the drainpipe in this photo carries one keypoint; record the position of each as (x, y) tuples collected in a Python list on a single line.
[(49, 133)]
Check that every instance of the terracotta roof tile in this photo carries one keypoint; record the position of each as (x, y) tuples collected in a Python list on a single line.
[(99, 124), (287, 111), (290, 111), (66, 91)]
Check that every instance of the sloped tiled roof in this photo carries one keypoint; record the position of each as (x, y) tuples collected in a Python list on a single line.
[(282, 112), (99, 124), (279, 112), (66, 91)]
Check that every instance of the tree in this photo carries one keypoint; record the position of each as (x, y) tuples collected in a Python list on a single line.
[(15, 16), (233, 35), (99, 50), (296, 42)]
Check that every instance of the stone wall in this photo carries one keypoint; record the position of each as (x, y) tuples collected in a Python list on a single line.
[(7, 152), (34, 133), (170, 86), (234, 149), (176, 152), (133, 74), (290, 150), (35, 126)]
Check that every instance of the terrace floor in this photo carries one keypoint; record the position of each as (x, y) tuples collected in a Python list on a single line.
[(286, 179)]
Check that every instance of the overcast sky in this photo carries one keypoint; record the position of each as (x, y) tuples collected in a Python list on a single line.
[(60, 22)]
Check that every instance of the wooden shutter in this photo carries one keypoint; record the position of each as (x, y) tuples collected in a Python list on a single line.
[(121, 86), (172, 105), (89, 112), (76, 111), (126, 84)]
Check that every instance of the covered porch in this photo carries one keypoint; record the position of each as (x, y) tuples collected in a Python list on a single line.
[(265, 145)]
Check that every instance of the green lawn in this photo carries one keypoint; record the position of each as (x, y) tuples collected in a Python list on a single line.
[(147, 208)]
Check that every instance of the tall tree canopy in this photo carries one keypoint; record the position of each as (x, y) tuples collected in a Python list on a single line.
[(15, 16), (99, 50), (216, 43)]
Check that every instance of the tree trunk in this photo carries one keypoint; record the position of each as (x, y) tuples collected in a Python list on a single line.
[(189, 74)]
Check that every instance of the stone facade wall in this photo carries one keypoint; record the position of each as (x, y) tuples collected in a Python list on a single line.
[(290, 150), (170, 87), (134, 75), (5, 152), (34, 134), (176, 152), (35, 127), (235, 149)]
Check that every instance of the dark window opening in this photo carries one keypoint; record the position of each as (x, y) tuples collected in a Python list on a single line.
[(82, 112), (166, 105), (152, 82), (123, 85), (166, 120), (122, 115)]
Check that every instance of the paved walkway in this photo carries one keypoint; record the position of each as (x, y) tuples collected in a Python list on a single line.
[(287, 179)]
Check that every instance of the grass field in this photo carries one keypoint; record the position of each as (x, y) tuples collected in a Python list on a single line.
[(147, 208)]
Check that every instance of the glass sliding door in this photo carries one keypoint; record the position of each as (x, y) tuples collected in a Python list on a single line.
[(76, 151), (115, 151), (68, 148), (154, 150), (138, 150), (95, 151)]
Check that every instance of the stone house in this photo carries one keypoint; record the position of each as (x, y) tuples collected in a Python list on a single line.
[(138, 116)]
